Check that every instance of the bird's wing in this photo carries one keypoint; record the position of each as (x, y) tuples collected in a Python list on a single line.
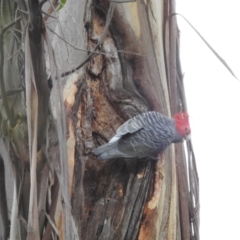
[(131, 126), (134, 145), (104, 148)]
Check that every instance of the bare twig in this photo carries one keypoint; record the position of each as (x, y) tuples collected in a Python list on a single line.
[(12, 92), (52, 224), (79, 49), (100, 42), (92, 51), (52, 208), (51, 9), (15, 53), (48, 14), (5, 28), (209, 46)]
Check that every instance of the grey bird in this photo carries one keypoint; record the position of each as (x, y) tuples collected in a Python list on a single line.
[(145, 135)]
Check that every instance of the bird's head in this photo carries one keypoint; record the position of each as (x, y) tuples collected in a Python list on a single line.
[(182, 124)]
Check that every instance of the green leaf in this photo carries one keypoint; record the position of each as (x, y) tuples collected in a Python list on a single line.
[(62, 3)]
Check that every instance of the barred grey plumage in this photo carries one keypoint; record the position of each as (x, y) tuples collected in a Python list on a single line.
[(144, 135)]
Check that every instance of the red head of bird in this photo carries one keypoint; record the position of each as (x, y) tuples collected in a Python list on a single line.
[(182, 123)]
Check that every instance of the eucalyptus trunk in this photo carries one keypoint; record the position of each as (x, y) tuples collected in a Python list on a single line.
[(71, 74)]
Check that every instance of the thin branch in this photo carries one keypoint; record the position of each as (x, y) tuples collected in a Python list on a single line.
[(22, 11), (48, 14), (92, 51), (100, 42), (12, 92), (209, 46), (5, 28), (79, 66), (52, 223), (53, 6), (79, 49), (15, 53), (16, 30)]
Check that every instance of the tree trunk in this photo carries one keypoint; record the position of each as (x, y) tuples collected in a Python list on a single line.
[(106, 62)]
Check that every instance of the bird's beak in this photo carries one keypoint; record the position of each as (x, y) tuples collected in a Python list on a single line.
[(188, 137)]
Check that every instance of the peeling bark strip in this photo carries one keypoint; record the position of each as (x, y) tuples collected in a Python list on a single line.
[(32, 110), (37, 100), (39, 69)]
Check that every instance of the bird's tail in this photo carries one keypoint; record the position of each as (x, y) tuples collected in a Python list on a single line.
[(109, 151)]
